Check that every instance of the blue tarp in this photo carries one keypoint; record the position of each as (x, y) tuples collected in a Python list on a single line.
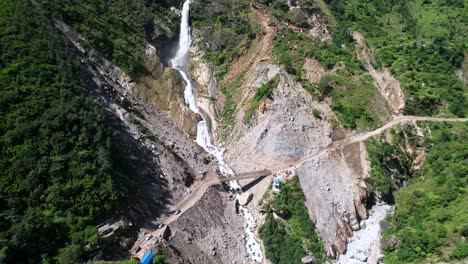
[(147, 258), (277, 180)]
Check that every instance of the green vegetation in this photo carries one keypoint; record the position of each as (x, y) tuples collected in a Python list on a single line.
[(161, 257), (422, 42), (390, 167), (316, 113), (59, 171), (260, 95), (291, 49), (356, 101), (229, 111), (225, 28), (287, 240), (117, 29), (431, 212)]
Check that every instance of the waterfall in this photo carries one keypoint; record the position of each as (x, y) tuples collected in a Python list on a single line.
[(180, 62)]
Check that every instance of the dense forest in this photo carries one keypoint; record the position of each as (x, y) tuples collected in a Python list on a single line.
[(117, 29), (58, 170)]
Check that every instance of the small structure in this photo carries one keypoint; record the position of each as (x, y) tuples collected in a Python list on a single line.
[(277, 185), (147, 258)]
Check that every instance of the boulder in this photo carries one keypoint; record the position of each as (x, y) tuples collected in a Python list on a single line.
[(309, 259), (166, 233), (245, 198)]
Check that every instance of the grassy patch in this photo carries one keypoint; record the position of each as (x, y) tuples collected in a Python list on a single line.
[(228, 113), (355, 101), (260, 95), (288, 240)]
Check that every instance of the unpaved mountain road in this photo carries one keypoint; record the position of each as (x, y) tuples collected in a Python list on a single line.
[(364, 136), (211, 178)]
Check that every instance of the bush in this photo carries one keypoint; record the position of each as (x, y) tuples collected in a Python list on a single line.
[(460, 251), (260, 95), (317, 114)]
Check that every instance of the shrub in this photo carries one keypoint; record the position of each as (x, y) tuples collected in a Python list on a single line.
[(317, 114), (460, 251), (260, 95)]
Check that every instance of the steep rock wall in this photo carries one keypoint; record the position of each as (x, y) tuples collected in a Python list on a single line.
[(164, 88)]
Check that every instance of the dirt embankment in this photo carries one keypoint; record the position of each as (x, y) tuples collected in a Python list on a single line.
[(389, 87)]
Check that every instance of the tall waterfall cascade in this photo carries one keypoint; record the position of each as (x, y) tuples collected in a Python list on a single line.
[(203, 139)]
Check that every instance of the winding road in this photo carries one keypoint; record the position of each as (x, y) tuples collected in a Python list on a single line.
[(212, 177)]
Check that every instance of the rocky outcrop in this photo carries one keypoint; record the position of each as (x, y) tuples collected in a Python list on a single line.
[(245, 198), (318, 29), (462, 73), (313, 70), (335, 190), (283, 131), (207, 90), (164, 87)]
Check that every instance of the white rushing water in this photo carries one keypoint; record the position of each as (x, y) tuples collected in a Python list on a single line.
[(364, 245), (180, 62)]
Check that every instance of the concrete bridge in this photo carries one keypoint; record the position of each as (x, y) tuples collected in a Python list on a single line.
[(246, 175)]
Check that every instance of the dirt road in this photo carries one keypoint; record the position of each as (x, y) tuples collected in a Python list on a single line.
[(212, 177), (364, 136)]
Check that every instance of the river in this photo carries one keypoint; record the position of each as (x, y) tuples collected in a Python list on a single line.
[(180, 62)]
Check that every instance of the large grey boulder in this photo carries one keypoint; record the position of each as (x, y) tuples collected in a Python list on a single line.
[(309, 259), (245, 198)]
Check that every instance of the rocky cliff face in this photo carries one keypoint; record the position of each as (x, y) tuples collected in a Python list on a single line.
[(206, 86), (284, 132), (335, 189), (164, 88)]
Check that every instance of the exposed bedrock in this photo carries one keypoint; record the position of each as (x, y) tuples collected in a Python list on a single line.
[(164, 88), (283, 131), (335, 190)]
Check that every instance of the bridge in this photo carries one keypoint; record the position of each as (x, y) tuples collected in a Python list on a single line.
[(246, 175)]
